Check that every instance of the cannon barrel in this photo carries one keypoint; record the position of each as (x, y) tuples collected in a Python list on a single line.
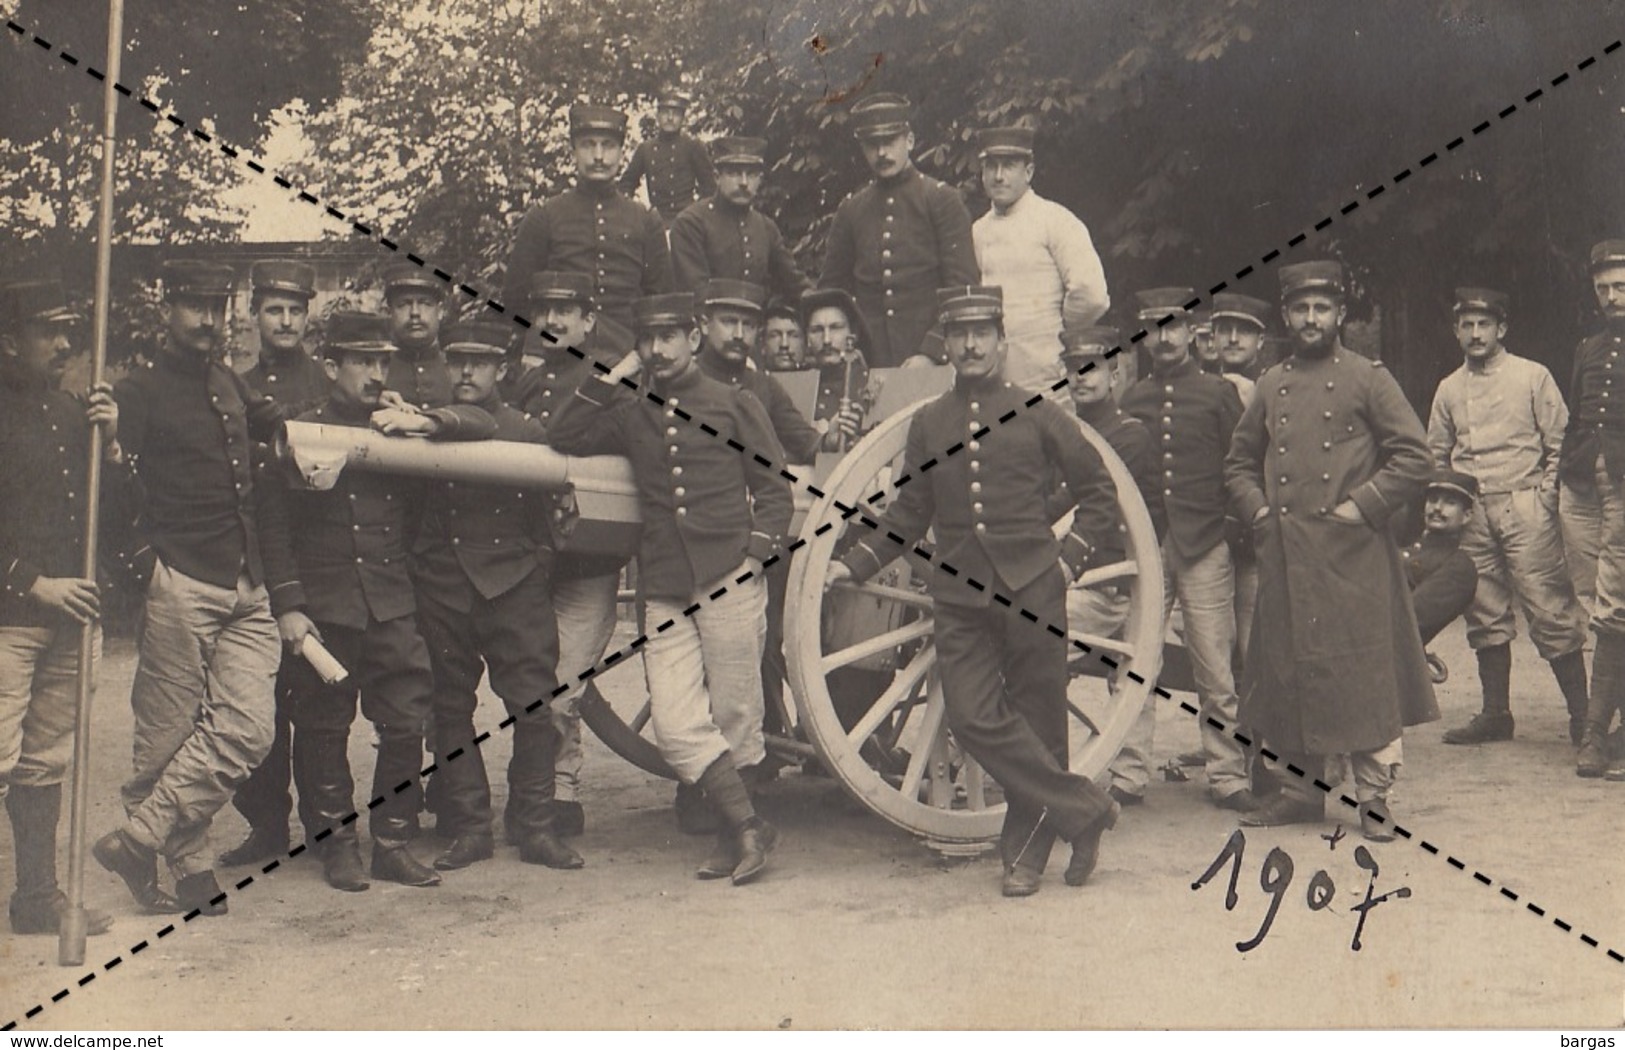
[(317, 453)]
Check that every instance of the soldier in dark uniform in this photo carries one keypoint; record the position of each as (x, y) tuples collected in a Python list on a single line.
[(336, 562), (1442, 575), (1327, 452), (1203, 346), (783, 343), (1593, 501), (730, 312), (725, 236), (897, 240), (1103, 609), (836, 338), (483, 566), (1004, 678), (711, 518), (44, 601), (1239, 326), (204, 693), (288, 375), (1192, 415), (674, 163), (1239, 322), (280, 305), (584, 586), (592, 228), (415, 303)]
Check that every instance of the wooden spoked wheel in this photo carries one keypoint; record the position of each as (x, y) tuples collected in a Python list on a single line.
[(864, 670)]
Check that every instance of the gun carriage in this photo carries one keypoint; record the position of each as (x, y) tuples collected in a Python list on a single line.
[(865, 700)]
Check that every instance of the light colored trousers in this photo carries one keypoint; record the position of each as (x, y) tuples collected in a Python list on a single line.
[(39, 692), (203, 698), (705, 676), (585, 610), (1206, 590), (1517, 546), (1095, 611), (1373, 772), (1594, 542)]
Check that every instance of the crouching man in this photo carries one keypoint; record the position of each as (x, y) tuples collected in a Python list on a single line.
[(711, 518)]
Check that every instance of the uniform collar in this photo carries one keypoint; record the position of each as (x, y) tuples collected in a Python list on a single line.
[(1101, 412), (183, 362), (897, 181), (969, 388), (1185, 368), (284, 359), (717, 367), (597, 190), (345, 412), (688, 379), (1432, 540)]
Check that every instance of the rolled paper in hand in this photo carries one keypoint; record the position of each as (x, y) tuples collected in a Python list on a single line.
[(321, 661)]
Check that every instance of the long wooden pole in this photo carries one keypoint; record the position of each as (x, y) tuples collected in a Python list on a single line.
[(71, 933)]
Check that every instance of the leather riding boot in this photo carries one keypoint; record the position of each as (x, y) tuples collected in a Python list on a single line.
[(37, 905), (1570, 672), (321, 768), (531, 774), (1494, 722), (393, 823), (724, 857), (754, 837), (35, 812), (1607, 688)]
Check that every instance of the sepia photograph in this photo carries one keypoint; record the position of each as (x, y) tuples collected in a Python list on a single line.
[(804, 515)]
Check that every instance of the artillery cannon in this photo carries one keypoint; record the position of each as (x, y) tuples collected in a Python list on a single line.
[(886, 742)]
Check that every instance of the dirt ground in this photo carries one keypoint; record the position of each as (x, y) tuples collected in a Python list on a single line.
[(860, 925)]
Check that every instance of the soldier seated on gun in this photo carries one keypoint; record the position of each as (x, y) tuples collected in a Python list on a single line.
[(836, 338)]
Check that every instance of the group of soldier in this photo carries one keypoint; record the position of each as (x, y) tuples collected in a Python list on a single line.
[(1270, 491)]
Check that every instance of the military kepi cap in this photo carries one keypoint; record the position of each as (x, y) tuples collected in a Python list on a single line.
[(559, 286), (970, 302), (587, 117), (662, 311), (724, 291), (1088, 341), (1463, 485), (739, 151), (1242, 308), (38, 301), (1005, 142), (482, 337), (1320, 275), (1483, 300), (195, 277), (881, 116), (288, 276), (357, 332), (1157, 303), (1607, 253), (409, 276), (672, 99)]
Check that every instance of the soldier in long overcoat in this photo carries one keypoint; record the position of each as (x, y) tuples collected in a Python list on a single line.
[(1327, 451)]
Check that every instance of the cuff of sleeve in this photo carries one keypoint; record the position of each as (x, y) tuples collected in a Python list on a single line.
[(598, 391), (1371, 503), (762, 546), (1248, 506), (287, 597), (20, 578), (1077, 552), (863, 561)]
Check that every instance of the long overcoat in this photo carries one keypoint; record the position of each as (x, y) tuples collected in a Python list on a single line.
[(1336, 664)]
